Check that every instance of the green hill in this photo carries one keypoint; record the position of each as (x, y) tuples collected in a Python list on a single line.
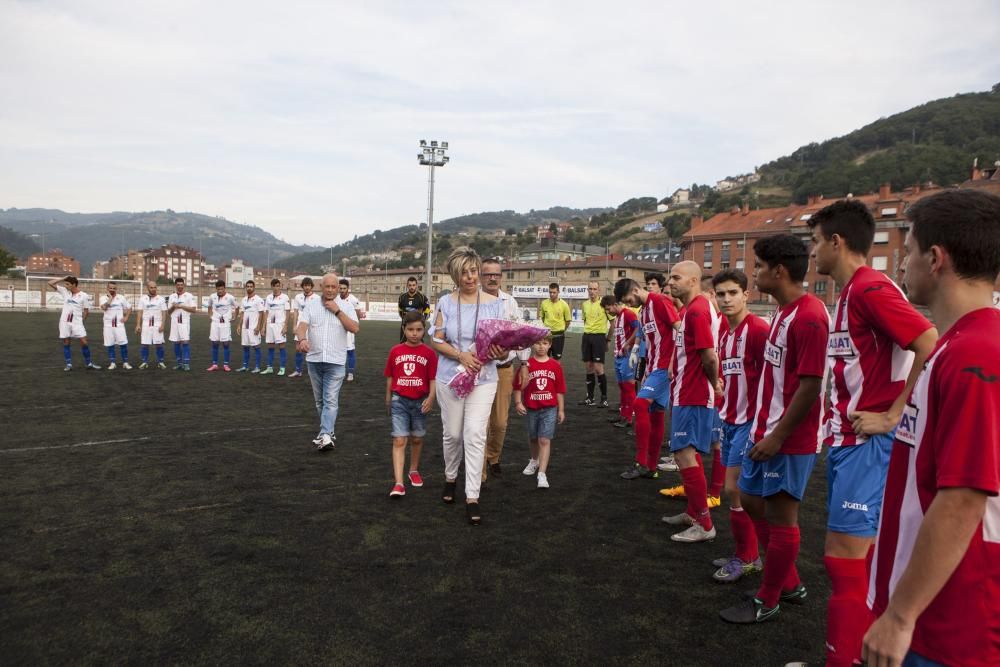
[(17, 244)]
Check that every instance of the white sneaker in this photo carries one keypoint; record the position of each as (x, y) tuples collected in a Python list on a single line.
[(127, 366), (694, 534), (112, 366), (531, 468), (318, 439), (326, 442), (543, 481), (668, 465), (350, 377), (682, 519)]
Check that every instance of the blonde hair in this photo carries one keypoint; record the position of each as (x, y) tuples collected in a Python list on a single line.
[(460, 259)]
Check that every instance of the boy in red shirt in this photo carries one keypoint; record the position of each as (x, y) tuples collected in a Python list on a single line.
[(409, 395), (539, 389)]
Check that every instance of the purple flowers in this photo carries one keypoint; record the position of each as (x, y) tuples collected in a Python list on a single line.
[(502, 333)]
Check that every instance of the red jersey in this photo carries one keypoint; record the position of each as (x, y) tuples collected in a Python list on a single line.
[(949, 437), (698, 332), (721, 329), (795, 346), (545, 382), (411, 369), (872, 326), (657, 318), (741, 358), (626, 323)]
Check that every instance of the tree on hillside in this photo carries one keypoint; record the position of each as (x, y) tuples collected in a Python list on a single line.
[(7, 260)]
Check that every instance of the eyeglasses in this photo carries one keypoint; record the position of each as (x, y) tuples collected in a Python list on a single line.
[(492, 275)]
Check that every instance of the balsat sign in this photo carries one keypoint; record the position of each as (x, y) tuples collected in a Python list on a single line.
[(542, 291)]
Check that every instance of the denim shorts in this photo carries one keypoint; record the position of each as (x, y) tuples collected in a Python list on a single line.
[(407, 419), (542, 423)]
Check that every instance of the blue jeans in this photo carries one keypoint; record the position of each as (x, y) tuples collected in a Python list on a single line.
[(326, 381)]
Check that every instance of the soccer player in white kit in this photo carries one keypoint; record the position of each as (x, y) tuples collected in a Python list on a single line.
[(300, 304), (117, 310), (344, 289), (251, 326), (76, 306), (277, 305), (151, 308), (180, 305), (221, 307)]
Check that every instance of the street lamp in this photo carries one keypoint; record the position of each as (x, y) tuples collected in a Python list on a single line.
[(431, 155)]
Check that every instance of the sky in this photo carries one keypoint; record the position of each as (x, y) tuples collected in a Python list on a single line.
[(304, 118)]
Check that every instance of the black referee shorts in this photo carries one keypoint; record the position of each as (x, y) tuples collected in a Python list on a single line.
[(593, 347)]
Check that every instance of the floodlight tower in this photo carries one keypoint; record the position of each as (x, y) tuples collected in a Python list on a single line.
[(431, 155)]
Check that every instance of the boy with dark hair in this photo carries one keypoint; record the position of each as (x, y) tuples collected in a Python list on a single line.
[(935, 581), (539, 393), (301, 299), (784, 435), (874, 335)]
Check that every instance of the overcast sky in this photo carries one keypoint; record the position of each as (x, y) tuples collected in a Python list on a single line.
[(303, 117)]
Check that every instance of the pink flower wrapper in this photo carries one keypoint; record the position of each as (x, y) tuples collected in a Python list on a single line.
[(503, 333)]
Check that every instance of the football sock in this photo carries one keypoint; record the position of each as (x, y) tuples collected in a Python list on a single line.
[(67, 354), (270, 357), (186, 347), (657, 425), (225, 353), (246, 356), (590, 385), (144, 354), (695, 489), (124, 350), (718, 474), (111, 353), (847, 614), (744, 535), (283, 356), (256, 357), (86, 353), (215, 353), (352, 360), (602, 382), (782, 550), (763, 531), (159, 353), (642, 428), (177, 352), (298, 362)]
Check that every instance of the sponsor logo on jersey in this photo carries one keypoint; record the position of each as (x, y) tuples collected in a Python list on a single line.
[(979, 373), (839, 344), (649, 327), (906, 432), (732, 366), (773, 354)]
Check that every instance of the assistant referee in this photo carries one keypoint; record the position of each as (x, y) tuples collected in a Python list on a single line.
[(595, 341)]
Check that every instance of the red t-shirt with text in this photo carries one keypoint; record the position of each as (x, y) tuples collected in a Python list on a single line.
[(545, 382), (411, 370)]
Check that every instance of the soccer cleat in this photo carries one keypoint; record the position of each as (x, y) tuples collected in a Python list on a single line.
[(673, 491), (748, 612), (186, 367), (695, 533), (255, 371), (226, 368), (635, 472), (143, 366), (797, 595), (714, 501), (602, 404), (112, 366), (398, 491), (531, 468), (543, 481), (736, 569), (615, 419), (318, 439), (266, 371), (650, 474), (326, 442), (350, 377), (92, 367), (281, 371), (668, 465), (293, 374), (179, 367), (242, 369), (587, 401), (682, 519), (621, 424), (68, 367), (127, 366), (720, 562), (162, 366), (212, 368), (415, 479)]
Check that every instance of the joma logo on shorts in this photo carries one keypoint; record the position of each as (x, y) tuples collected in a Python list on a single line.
[(772, 475), (854, 506)]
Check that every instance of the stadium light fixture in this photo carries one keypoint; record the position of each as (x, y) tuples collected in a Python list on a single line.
[(431, 156)]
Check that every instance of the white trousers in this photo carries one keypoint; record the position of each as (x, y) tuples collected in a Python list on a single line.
[(463, 429)]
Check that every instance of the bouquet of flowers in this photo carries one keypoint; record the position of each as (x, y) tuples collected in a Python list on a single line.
[(502, 333)]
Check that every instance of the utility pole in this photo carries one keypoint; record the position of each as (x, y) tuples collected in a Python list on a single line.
[(431, 155)]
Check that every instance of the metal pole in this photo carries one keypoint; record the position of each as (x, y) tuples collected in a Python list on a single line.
[(430, 222)]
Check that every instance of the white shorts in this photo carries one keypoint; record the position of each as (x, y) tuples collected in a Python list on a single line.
[(74, 329), (274, 334), (115, 335), (180, 333), (220, 332), (249, 338), (151, 335)]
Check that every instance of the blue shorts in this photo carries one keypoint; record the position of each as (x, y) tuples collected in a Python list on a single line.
[(782, 472), (542, 423), (691, 426), (855, 480), (735, 441), (656, 388), (623, 371), (407, 419), (716, 426)]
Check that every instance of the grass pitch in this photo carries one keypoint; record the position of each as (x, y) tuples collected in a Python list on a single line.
[(167, 517)]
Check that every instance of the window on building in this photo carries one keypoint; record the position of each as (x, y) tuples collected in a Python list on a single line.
[(707, 264), (594, 273), (510, 275), (553, 274), (622, 273), (740, 243), (740, 264), (434, 277), (819, 287), (725, 266), (880, 263), (881, 237), (709, 249), (725, 246)]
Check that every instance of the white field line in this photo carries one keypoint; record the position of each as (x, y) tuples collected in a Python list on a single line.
[(122, 441)]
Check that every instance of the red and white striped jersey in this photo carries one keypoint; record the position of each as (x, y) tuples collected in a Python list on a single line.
[(741, 356), (873, 324), (721, 328), (795, 346), (949, 437), (657, 318), (626, 323), (698, 332)]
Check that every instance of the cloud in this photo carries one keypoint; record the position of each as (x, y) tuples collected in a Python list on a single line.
[(303, 117)]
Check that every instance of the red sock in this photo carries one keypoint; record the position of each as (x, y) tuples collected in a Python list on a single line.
[(627, 398), (718, 474), (743, 532), (782, 550), (642, 426), (847, 614), (657, 426), (763, 531), (695, 488)]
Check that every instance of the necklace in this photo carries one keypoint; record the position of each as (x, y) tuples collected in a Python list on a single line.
[(475, 323)]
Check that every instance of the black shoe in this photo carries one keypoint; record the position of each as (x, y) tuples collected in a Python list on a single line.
[(603, 403), (621, 424), (635, 472), (587, 401), (495, 470), (448, 495), (749, 611), (473, 513), (797, 595)]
